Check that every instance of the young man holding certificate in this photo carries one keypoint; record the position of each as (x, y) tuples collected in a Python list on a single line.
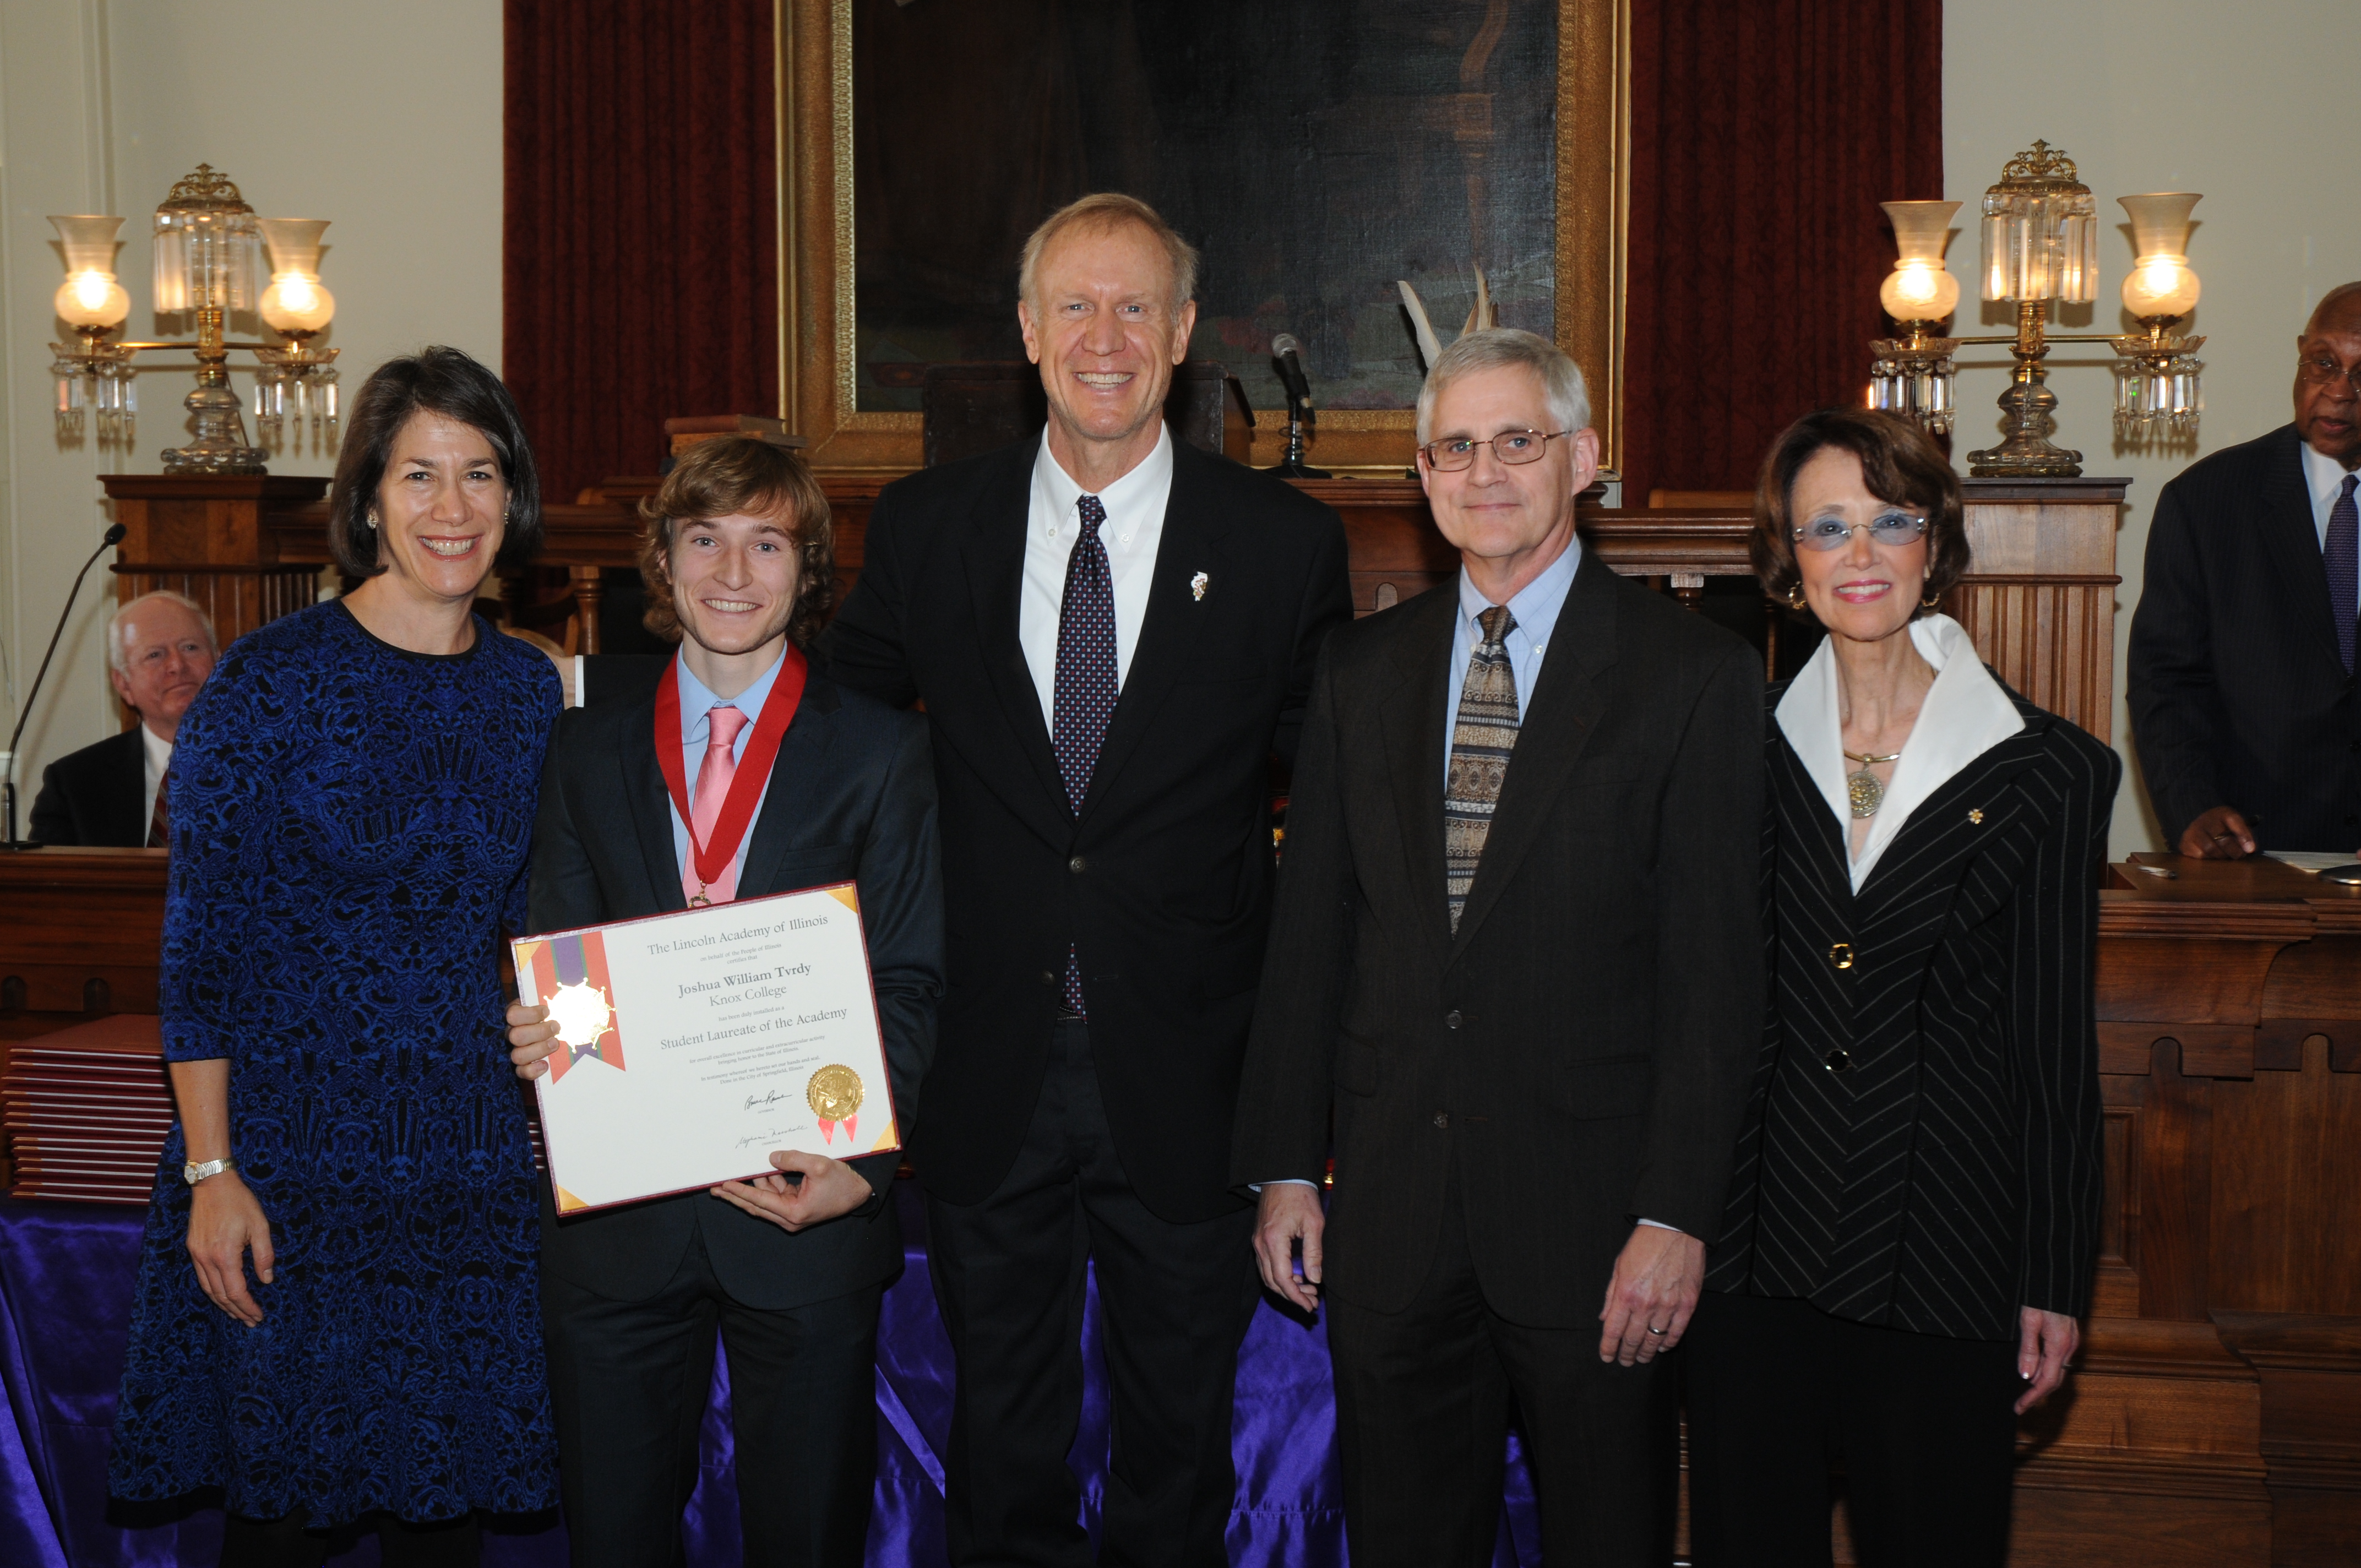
[(744, 772)]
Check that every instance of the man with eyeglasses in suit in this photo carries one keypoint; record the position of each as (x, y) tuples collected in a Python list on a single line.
[(2243, 647)]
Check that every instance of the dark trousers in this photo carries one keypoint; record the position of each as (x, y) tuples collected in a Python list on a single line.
[(629, 1381), (1422, 1407), (1174, 1303), (1922, 1424)]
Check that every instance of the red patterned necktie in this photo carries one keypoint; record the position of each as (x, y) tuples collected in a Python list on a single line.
[(160, 821), (704, 810), (1086, 681)]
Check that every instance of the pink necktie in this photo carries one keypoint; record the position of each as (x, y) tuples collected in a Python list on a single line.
[(712, 789)]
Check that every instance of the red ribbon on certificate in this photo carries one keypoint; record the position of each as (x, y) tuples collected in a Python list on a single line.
[(711, 858)]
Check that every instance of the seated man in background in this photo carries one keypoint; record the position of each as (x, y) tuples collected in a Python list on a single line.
[(159, 649), (2242, 649)]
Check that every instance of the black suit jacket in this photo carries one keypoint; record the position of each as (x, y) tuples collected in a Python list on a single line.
[(92, 797), (2237, 695), (1948, 1173), (1162, 883), (851, 798), (1580, 1049)]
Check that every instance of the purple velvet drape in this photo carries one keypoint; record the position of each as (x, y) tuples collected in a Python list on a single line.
[(66, 1275)]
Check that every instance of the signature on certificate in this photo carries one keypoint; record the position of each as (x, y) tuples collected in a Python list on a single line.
[(776, 1137), (764, 1102)]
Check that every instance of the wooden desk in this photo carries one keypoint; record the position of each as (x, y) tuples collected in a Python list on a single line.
[(2216, 1417), (80, 935)]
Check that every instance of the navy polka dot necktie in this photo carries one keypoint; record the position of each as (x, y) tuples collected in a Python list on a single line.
[(1086, 680)]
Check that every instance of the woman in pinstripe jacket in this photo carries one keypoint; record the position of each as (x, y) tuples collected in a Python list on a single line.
[(1914, 1212)]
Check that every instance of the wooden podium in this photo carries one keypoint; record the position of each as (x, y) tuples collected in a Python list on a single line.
[(208, 536)]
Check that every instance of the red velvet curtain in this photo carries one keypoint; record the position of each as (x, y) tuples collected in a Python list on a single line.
[(641, 256), (1764, 135)]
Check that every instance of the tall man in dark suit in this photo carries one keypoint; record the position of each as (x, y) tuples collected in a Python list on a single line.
[(116, 792), (1516, 967), (1111, 632), (2242, 650), (790, 1267)]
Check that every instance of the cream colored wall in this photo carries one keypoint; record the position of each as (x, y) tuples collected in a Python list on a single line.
[(2240, 102), (384, 119)]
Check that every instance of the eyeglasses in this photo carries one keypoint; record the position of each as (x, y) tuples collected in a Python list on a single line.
[(1450, 455), (1896, 529), (2319, 371)]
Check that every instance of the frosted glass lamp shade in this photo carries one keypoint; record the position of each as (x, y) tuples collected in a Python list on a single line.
[(2160, 283), (294, 244), (90, 297), (295, 302), (1918, 289)]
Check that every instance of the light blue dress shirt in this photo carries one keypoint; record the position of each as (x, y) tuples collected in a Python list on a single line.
[(1534, 610), (696, 706)]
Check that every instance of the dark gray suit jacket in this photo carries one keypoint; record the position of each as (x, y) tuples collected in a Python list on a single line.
[(92, 797), (2237, 695), (1580, 1049), (851, 798)]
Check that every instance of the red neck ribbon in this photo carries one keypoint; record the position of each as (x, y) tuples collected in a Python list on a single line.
[(753, 768)]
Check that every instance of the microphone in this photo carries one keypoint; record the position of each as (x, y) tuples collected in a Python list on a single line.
[(1289, 354), (113, 537)]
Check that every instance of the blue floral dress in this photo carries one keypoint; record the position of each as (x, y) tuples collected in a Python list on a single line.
[(349, 829)]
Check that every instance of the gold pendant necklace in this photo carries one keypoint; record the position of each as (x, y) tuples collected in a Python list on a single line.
[(1861, 788)]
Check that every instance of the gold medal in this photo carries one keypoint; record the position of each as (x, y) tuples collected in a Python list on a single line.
[(834, 1093)]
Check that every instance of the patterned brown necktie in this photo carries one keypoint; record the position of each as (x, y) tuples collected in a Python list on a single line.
[(1481, 741), (159, 824)]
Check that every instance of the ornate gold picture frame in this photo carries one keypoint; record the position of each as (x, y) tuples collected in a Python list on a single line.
[(817, 129)]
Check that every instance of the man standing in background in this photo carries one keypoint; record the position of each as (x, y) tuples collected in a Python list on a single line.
[(1111, 632), (2243, 648)]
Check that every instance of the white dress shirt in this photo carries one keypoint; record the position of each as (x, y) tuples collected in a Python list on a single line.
[(696, 706), (1965, 715), (158, 754), (1534, 610), (2323, 479), (1134, 528)]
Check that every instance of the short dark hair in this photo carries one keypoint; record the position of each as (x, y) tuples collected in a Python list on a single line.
[(1899, 461), (742, 475), (434, 380)]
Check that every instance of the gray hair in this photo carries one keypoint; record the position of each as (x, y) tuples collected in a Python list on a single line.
[(115, 655), (1103, 213), (1497, 348)]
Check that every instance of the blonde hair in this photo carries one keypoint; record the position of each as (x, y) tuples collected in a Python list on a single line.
[(1101, 214), (739, 475)]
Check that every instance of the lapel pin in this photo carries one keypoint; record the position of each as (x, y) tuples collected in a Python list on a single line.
[(1976, 817), (1198, 585)]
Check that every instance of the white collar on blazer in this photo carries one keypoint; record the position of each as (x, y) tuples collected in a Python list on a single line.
[(1965, 715)]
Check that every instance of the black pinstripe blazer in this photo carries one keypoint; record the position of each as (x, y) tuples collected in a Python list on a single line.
[(1921, 1150)]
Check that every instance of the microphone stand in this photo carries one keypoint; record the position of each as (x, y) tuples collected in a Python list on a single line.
[(8, 779), (1299, 418)]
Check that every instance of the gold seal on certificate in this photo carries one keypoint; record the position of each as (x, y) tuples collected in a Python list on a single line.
[(696, 1044)]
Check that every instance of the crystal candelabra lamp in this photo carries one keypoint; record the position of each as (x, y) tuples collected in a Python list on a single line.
[(2041, 244), (2157, 393), (92, 374), (208, 257), (1913, 374), (297, 307)]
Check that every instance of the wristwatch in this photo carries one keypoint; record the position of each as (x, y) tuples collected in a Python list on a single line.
[(193, 1173)]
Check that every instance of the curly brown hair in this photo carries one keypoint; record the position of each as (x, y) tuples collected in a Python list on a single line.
[(739, 475), (1899, 461)]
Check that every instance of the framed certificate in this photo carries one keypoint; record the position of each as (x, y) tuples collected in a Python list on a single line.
[(692, 1045)]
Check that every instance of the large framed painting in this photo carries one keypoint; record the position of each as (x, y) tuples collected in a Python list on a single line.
[(1318, 152)]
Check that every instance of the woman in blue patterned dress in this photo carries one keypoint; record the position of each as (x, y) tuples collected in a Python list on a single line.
[(337, 1316)]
